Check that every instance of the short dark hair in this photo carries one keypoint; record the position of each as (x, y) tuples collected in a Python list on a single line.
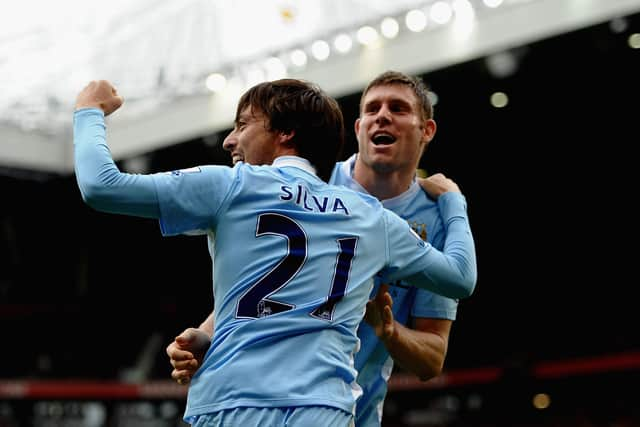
[(416, 84), (300, 106)]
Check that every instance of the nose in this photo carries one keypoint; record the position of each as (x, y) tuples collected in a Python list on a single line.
[(384, 115), (229, 142)]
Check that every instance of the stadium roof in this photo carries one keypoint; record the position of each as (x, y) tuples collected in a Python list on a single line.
[(159, 54)]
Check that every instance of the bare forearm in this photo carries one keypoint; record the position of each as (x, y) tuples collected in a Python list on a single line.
[(207, 325), (421, 353)]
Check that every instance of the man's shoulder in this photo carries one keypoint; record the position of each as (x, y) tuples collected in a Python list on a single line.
[(352, 193), (342, 170)]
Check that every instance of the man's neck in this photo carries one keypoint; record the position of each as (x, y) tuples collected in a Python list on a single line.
[(382, 185), (281, 150)]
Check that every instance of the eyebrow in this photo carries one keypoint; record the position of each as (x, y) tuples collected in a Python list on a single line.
[(251, 114), (244, 117), (394, 100)]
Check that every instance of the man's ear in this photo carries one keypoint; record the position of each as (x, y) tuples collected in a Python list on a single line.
[(285, 137), (428, 131)]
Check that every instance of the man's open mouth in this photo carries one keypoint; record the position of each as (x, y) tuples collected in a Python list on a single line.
[(383, 139)]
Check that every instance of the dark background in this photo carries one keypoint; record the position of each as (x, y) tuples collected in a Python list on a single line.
[(550, 182)]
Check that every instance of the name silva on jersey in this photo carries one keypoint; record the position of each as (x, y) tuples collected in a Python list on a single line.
[(300, 196)]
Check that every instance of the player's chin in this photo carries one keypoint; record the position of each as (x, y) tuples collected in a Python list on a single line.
[(382, 153), (383, 164)]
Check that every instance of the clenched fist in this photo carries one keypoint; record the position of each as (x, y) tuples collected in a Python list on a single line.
[(99, 94), (186, 353)]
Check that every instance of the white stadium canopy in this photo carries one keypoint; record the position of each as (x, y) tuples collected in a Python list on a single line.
[(162, 54)]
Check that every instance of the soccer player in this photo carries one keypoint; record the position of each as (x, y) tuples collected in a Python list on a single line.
[(414, 330), (294, 257)]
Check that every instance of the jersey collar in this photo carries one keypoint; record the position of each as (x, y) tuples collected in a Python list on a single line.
[(392, 203), (294, 161)]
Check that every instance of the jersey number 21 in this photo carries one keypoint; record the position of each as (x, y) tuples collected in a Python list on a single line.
[(255, 302)]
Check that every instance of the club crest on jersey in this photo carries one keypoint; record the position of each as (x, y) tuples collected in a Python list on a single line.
[(419, 228)]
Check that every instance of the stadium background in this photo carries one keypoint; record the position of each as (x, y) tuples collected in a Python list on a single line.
[(88, 301)]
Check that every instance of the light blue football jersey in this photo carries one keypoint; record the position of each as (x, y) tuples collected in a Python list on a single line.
[(373, 362), (294, 264)]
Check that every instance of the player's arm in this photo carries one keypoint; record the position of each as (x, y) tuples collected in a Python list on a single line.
[(101, 183), (184, 201), (421, 350), (207, 325), (187, 350), (451, 272)]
